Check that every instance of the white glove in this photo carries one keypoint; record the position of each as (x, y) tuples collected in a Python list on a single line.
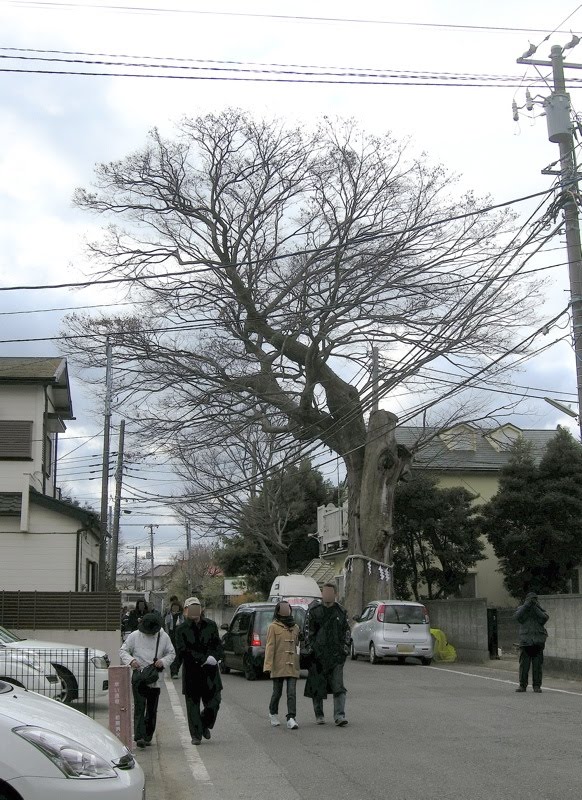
[(210, 662)]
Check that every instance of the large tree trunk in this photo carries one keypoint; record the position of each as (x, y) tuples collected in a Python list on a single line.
[(372, 481)]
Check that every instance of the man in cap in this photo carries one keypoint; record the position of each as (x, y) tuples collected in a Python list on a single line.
[(198, 650), (149, 644), (531, 618)]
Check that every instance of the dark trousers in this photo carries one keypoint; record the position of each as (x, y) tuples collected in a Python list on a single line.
[(145, 711), (291, 696), (197, 721), (175, 665), (335, 682), (531, 654)]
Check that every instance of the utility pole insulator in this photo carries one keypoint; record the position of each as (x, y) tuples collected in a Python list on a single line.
[(557, 108)]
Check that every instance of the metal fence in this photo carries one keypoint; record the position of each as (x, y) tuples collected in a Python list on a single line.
[(98, 611), (70, 675)]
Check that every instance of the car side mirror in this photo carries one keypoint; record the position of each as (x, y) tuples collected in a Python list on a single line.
[(224, 627)]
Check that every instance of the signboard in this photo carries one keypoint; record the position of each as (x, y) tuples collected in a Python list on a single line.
[(120, 704)]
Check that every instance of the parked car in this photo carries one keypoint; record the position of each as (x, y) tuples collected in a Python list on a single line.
[(68, 661), (51, 752), (28, 672), (246, 636), (392, 628)]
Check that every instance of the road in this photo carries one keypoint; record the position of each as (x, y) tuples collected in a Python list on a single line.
[(459, 733)]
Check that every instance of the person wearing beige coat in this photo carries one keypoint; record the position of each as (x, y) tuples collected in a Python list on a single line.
[(282, 662)]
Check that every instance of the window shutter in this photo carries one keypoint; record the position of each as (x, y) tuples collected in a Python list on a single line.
[(15, 439)]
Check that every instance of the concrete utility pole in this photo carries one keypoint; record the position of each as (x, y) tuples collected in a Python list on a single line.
[(117, 505), (105, 471), (189, 551), (151, 529), (375, 379), (560, 131)]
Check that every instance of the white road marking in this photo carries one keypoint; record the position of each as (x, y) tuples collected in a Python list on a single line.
[(192, 753), (499, 680)]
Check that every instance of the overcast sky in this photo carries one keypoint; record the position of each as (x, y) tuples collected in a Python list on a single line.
[(54, 128)]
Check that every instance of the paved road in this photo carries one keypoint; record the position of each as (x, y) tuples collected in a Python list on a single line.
[(414, 732)]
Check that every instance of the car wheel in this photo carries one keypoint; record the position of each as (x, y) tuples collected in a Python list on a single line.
[(401, 659), (8, 793), (249, 671), (373, 655), (69, 683), (426, 662), (224, 669), (353, 654)]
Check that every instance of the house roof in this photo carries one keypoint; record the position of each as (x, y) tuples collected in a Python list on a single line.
[(40, 370), (160, 571), (467, 448), (320, 570), (89, 518)]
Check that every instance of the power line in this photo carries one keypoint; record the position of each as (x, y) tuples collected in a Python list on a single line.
[(307, 251)]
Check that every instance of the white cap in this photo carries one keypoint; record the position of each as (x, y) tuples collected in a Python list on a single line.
[(192, 601)]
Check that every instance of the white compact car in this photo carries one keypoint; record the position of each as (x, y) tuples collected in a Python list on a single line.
[(392, 629), (28, 671), (49, 751), (68, 661)]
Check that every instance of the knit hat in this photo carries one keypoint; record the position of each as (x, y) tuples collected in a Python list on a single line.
[(192, 601), (150, 624)]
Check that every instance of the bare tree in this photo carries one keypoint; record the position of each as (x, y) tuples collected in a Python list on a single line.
[(267, 261)]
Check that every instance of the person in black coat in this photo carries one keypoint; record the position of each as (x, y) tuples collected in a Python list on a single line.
[(135, 615), (198, 650), (327, 643), (532, 619)]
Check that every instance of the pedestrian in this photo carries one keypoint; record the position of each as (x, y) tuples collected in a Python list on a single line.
[(149, 645), (327, 644), (173, 618), (282, 662), (531, 618), (199, 649), (135, 615)]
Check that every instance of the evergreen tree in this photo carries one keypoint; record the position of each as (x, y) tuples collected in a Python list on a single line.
[(534, 522), (436, 540)]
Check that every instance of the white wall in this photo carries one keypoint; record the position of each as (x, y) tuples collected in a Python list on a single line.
[(23, 403), (40, 562)]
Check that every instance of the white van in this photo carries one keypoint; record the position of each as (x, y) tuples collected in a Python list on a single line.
[(299, 589)]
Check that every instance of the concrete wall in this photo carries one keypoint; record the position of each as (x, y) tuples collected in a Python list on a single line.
[(465, 625)]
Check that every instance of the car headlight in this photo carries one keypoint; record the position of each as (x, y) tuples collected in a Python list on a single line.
[(73, 759), (100, 662)]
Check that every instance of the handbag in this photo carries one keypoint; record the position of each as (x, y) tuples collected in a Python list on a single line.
[(151, 673)]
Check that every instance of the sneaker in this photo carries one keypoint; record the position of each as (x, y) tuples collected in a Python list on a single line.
[(274, 720), (206, 733), (196, 740), (538, 689), (521, 689), (141, 743), (320, 720), (148, 742), (291, 724), (341, 722)]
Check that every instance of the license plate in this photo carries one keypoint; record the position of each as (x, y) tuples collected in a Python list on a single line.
[(404, 648)]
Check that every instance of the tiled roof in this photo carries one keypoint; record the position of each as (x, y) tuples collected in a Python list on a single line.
[(320, 570), (431, 451), (30, 368)]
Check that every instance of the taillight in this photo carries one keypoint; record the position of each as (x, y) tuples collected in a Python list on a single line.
[(256, 640), (381, 612), (426, 619)]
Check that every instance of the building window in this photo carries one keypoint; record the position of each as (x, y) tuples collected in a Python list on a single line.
[(468, 590), (91, 576), (16, 440), (48, 455)]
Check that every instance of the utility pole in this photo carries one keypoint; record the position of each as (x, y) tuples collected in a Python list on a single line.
[(117, 504), (151, 529), (189, 551), (105, 470), (560, 131), (375, 380)]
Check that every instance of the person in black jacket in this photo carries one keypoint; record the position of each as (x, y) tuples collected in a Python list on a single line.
[(532, 639), (328, 643), (198, 650), (135, 615)]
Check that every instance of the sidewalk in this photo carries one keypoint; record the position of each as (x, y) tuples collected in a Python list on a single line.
[(509, 665)]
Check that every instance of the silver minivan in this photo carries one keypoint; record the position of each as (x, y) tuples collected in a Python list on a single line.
[(392, 629)]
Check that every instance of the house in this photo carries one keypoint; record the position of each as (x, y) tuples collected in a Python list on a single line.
[(46, 543), (460, 456), (162, 576)]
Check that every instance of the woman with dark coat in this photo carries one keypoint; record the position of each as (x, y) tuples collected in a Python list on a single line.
[(135, 615)]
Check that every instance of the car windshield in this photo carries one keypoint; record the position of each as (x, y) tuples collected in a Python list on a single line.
[(405, 615), (7, 637)]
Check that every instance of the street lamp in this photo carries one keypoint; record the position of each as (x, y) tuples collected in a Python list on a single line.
[(562, 407)]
